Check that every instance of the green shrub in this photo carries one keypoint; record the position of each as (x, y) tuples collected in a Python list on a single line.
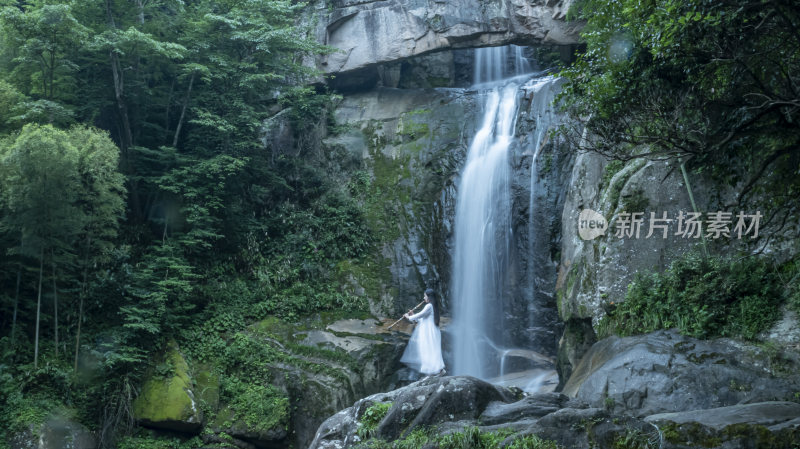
[(147, 442), (372, 417), (703, 298), (533, 442), (415, 440), (260, 407), (636, 439), (473, 438)]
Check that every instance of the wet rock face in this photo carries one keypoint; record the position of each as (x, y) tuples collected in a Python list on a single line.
[(667, 372), (369, 33), (411, 143), (538, 199), (55, 433)]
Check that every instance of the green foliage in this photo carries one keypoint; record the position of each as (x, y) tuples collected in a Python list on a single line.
[(260, 407), (636, 439), (222, 228), (11, 101), (372, 416), (473, 438), (612, 168), (469, 438), (701, 81), (40, 185), (147, 442), (533, 442), (790, 277), (417, 439), (703, 298)]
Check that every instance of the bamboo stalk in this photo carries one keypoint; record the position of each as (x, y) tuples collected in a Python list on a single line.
[(401, 318)]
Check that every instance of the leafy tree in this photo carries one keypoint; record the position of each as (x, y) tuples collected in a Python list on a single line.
[(700, 81), (43, 41), (101, 201), (40, 184), (61, 187)]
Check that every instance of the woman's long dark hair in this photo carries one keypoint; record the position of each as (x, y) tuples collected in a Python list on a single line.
[(435, 303)]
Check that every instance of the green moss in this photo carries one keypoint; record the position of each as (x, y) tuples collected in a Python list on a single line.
[(167, 398), (670, 433), (372, 416), (547, 163), (611, 169), (610, 189), (745, 434), (274, 326), (413, 125), (371, 273), (636, 201)]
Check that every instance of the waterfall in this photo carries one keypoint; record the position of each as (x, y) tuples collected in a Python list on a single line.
[(483, 219), (484, 241)]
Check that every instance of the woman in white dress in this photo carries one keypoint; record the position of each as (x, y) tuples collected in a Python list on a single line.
[(424, 350)]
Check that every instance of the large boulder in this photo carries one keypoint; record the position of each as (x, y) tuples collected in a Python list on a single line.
[(167, 399), (667, 372), (328, 369), (761, 425), (425, 403), (442, 406)]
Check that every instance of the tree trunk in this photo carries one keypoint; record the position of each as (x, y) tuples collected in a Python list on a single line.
[(55, 298), (140, 4), (84, 289), (167, 109), (38, 310), (183, 111), (16, 295), (126, 140)]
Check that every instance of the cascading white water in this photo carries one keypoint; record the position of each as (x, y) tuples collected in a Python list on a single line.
[(483, 223), (483, 220)]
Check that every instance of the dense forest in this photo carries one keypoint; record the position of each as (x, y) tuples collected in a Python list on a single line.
[(141, 205), (138, 202)]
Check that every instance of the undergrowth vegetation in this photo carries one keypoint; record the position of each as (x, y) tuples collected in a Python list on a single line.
[(469, 438), (704, 298)]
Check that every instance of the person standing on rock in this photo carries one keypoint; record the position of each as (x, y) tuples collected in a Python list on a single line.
[(424, 350)]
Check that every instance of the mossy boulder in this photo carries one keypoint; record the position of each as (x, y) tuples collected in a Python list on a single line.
[(262, 424), (167, 400), (760, 425)]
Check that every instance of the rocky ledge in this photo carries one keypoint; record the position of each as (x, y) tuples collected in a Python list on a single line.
[(367, 33), (713, 394)]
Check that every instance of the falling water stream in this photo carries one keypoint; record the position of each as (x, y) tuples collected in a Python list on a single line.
[(483, 223)]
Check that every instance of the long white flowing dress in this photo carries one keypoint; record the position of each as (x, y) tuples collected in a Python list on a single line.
[(424, 350)]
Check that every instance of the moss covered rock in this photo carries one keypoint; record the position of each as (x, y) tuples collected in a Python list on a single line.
[(167, 400)]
